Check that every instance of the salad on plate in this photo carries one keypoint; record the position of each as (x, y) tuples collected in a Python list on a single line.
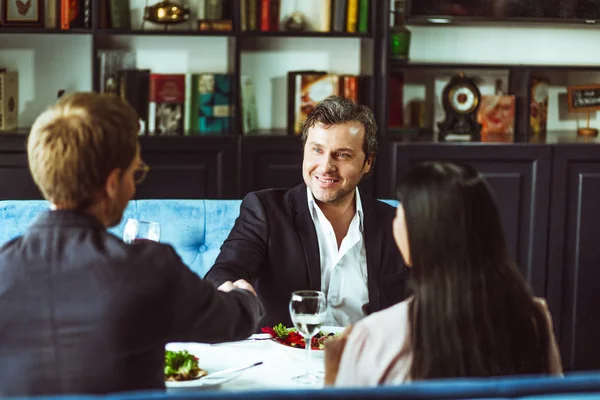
[(291, 337), (182, 366)]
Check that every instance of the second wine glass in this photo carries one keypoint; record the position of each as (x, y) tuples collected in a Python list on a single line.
[(307, 309), (141, 230)]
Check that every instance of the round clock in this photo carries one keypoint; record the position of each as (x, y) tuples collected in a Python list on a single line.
[(463, 98)]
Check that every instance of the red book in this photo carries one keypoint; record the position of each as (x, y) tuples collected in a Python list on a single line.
[(349, 87), (167, 98), (265, 15), (65, 14), (396, 100)]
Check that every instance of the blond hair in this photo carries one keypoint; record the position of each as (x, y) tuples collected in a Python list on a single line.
[(75, 144)]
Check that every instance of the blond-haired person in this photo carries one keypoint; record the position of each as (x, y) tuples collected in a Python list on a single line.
[(81, 311)]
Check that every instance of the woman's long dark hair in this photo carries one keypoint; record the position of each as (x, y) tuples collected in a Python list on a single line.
[(473, 313)]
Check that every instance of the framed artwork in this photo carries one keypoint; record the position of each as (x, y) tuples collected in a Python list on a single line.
[(23, 13)]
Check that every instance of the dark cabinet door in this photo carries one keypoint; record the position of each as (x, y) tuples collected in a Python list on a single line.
[(190, 168), (520, 178), (16, 182), (271, 162), (574, 254)]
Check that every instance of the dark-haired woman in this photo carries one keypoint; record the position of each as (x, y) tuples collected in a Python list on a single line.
[(471, 313)]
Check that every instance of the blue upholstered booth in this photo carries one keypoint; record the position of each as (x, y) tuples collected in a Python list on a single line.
[(197, 228)]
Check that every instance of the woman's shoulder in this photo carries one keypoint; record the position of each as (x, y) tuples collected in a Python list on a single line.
[(392, 319)]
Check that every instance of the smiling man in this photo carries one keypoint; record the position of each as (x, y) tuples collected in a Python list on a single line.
[(323, 234)]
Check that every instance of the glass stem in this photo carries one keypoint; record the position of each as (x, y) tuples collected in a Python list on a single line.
[(308, 342)]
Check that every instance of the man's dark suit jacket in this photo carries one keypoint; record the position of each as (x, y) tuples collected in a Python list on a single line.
[(274, 245), (83, 312)]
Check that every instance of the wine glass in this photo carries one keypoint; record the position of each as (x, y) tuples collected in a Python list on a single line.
[(141, 230), (307, 309)]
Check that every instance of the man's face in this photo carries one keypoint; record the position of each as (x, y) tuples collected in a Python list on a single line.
[(334, 161)]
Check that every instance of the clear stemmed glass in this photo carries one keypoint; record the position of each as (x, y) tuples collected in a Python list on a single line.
[(307, 309), (141, 230)]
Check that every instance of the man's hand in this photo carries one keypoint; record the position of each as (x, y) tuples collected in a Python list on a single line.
[(239, 284)]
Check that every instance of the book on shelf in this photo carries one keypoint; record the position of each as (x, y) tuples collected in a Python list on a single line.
[(74, 14), (248, 103), (120, 14), (50, 12), (9, 100), (134, 87), (111, 61), (166, 108), (496, 114), (212, 104), (222, 25), (351, 16)]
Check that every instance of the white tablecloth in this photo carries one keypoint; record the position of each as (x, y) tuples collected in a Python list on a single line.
[(280, 363)]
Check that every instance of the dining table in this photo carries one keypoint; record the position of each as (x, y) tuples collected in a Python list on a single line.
[(280, 364)]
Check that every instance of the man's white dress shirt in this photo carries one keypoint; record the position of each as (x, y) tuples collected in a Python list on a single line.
[(343, 271)]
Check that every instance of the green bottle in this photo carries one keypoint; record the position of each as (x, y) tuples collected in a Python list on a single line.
[(399, 34)]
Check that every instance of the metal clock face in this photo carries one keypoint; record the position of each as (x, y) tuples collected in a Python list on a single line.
[(463, 99)]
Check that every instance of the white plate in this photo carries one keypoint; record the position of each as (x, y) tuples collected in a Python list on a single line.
[(299, 352), (211, 359)]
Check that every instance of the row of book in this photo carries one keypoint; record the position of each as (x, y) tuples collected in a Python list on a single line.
[(177, 104), (67, 14), (351, 16)]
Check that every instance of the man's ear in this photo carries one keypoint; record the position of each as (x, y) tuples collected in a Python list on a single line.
[(368, 164), (113, 183)]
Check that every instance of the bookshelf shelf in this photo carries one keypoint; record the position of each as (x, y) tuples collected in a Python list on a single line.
[(147, 32), (396, 65), (305, 34), (44, 31)]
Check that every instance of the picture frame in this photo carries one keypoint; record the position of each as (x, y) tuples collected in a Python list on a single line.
[(22, 13)]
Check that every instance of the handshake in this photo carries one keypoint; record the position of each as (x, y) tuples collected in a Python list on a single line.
[(239, 284)]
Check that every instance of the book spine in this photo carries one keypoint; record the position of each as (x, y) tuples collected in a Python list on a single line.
[(274, 8), (265, 15), (201, 7), (65, 14), (352, 16), (120, 14), (214, 9), (253, 14), (349, 87), (363, 16), (50, 13), (326, 16), (87, 14), (243, 15), (339, 15)]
